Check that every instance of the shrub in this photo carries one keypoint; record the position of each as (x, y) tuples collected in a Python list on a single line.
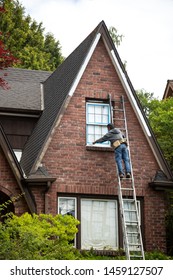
[(38, 237)]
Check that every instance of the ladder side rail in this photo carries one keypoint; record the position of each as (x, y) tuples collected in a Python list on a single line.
[(127, 137), (125, 237), (132, 177), (110, 106), (127, 244)]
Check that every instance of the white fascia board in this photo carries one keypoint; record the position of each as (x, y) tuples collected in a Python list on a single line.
[(134, 104), (130, 94), (42, 96), (84, 65)]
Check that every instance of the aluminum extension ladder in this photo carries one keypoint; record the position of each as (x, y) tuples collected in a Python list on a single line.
[(129, 208)]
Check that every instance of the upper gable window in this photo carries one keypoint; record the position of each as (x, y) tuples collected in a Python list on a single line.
[(97, 118), (18, 154)]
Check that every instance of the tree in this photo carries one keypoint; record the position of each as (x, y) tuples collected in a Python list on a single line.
[(161, 120), (6, 57), (26, 39), (146, 99), (160, 116), (117, 39)]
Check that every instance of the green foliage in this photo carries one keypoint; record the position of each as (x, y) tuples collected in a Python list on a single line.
[(25, 38), (160, 116), (116, 38), (38, 237), (47, 237), (156, 255), (161, 120), (147, 101)]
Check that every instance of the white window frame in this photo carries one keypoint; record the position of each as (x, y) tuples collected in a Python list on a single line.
[(75, 206), (97, 125)]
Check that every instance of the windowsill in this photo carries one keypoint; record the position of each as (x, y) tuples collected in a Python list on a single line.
[(99, 148)]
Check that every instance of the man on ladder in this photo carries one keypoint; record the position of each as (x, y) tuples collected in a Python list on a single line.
[(132, 237), (119, 143)]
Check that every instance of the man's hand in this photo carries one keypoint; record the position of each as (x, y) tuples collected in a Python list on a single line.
[(93, 142)]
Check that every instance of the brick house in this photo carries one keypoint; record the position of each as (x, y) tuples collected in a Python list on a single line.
[(50, 120), (168, 89)]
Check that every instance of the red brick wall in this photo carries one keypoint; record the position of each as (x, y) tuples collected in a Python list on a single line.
[(79, 170), (9, 186)]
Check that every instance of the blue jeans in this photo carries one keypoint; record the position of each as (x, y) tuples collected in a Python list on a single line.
[(122, 154)]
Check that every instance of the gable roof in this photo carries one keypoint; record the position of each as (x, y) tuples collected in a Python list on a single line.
[(56, 91), (24, 92), (16, 169), (60, 86), (168, 90)]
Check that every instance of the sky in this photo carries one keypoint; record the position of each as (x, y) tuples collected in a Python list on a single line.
[(146, 26)]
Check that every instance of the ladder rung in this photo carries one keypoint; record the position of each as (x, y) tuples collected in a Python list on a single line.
[(135, 244), (129, 199), (127, 189), (136, 256), (128, 210), (119, 119), (122, 128), (131, 222), (114, 109)]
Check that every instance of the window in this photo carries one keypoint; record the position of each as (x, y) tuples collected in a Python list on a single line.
[(131, 217), (97, 118), (67, 206), (18, 154), (99, 224)]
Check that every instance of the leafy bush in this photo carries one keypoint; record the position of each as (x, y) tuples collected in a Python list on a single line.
[(156, 255), (38, 237)]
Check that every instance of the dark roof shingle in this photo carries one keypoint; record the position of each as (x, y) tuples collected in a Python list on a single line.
[(25, 89), (56, 89)]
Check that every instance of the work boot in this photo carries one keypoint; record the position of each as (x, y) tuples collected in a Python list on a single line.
[(121, 175), (128, 175)]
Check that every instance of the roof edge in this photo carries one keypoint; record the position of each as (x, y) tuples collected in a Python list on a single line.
[(16, 169)]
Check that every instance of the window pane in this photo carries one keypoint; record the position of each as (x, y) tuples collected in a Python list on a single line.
[(98, 118), (98, 109), (131, 217), (91, 129), (91, 118), (66, 206), (99, 224), (91, 109), (91, 139), (98, 130), (105, 119)]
